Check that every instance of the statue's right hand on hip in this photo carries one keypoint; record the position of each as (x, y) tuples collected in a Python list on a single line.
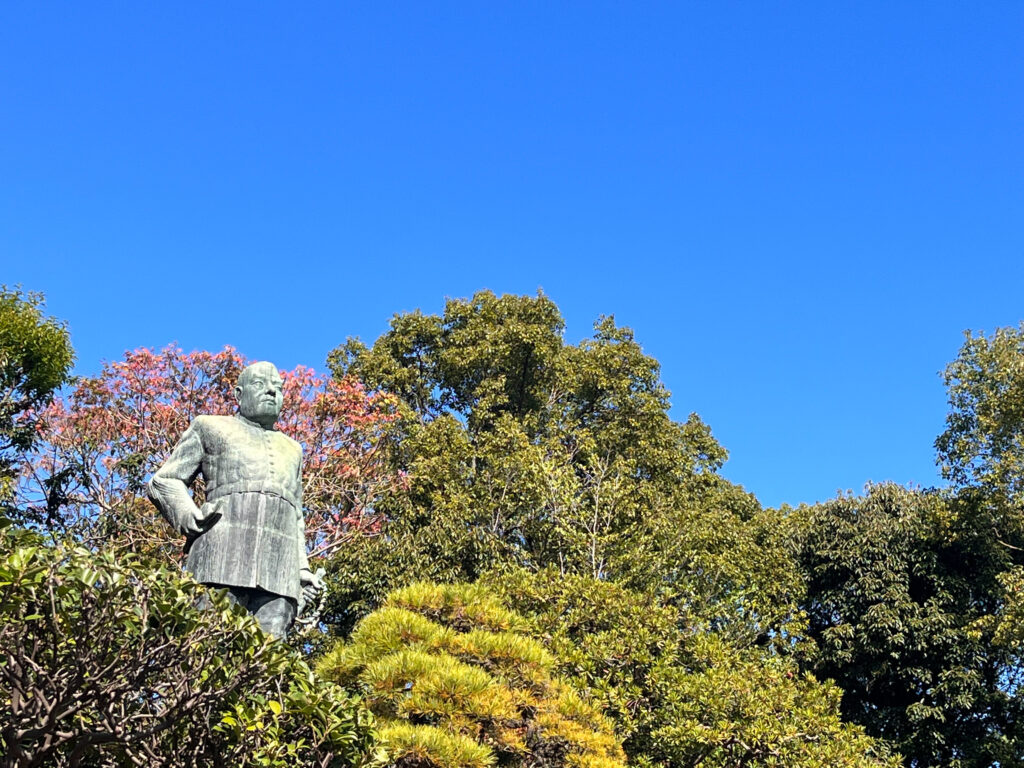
[(203, 519)]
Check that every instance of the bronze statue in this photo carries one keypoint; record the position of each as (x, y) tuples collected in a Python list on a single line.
[(249, 535)]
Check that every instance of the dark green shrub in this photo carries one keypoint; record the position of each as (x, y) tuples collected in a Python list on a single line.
[(106, 661)]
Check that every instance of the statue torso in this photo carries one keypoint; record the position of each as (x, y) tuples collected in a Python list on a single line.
[(239, 456), (253, 480)]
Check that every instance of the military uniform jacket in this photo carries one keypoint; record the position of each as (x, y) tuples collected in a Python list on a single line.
[(253, 481)]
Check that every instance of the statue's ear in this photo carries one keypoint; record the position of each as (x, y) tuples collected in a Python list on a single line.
[(238, 393)]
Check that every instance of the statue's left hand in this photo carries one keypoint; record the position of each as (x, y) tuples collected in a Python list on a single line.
[(312, 585)]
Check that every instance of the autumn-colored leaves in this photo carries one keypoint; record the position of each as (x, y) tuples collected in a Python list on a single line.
[(98, 444)]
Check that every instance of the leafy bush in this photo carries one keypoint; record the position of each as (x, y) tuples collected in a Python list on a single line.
[(106, 661), (457, 685)]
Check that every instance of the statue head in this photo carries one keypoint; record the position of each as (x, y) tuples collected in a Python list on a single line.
[(259, 393)]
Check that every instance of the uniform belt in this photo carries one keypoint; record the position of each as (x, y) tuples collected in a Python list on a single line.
[(219, 494)]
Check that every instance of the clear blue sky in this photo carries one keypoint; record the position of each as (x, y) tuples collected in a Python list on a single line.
[(798, 207)]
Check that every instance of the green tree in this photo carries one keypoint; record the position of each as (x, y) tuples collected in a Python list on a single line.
[(983, 444), (915, 597), (35, 360), (904, 592), (105, 660), (519, 448), (725, 561), (456, 684), (680, 693)]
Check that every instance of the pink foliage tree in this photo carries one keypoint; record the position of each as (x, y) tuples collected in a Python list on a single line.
[(100, 443)]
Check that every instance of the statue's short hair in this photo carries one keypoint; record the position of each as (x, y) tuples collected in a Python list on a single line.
[(248, 371)]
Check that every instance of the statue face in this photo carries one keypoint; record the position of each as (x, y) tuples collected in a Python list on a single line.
[(259, 393)]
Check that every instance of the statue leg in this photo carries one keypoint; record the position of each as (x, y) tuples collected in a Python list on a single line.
[(235, 595), (274, 612)]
